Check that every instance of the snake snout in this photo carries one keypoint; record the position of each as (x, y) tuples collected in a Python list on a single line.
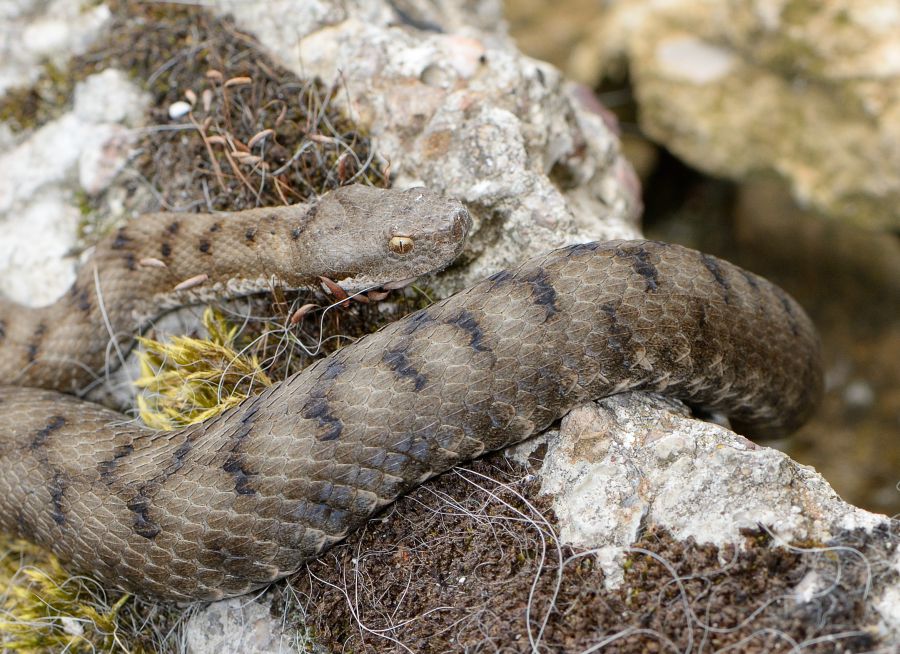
[(462, 223)]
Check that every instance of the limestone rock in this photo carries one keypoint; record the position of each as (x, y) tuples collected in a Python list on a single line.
[(236, 625), (632, 462), (460, 110), (809, 91), (37, 32), (82, 149)]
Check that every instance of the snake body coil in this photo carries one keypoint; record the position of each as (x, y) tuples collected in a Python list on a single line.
[(220, 508)]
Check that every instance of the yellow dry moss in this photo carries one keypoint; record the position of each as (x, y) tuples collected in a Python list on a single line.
[(190, 380), (44, 609)]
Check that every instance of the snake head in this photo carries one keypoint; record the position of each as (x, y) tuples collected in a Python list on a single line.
[(369, 237)]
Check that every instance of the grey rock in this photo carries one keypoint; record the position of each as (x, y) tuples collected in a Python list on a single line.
[(631, 462), (240, 626), (462, 111), (807, 91), (83, 149)]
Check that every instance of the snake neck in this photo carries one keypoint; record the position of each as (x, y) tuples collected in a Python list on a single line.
[(145, 269), (164, 261)]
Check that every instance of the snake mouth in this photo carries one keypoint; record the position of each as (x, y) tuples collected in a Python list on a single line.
[(462, 223), (398, 284), (343, 294)]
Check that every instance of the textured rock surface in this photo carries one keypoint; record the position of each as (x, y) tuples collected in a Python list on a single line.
[(81, 150), (809, 91), (460, 110), (34, 33), (236, 625), (628, 463)]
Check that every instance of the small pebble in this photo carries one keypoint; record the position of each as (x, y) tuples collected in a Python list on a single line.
[(179, 109)]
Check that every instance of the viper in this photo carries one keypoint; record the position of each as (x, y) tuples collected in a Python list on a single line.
[(226, 506)]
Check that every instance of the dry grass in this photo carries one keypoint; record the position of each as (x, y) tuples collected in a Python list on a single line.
[(256, 134)]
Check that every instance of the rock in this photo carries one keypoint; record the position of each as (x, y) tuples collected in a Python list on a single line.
[(236, 625), (110, 97), (628, 464), (806, 91), (103, 158), (460, 110), (37, 32), (633, 462), (179, 109), (90, 144), (38, 270), (548, 30)]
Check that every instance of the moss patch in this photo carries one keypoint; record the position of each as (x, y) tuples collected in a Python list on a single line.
[(25, 108), (471, 562), (44, 609), (194, 379)]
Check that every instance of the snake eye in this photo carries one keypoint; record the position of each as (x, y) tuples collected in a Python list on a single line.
[(401, 244)]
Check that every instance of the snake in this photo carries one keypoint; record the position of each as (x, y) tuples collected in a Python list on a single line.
[(229, 505)]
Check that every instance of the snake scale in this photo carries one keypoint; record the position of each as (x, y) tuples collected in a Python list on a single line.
[(218, 509)]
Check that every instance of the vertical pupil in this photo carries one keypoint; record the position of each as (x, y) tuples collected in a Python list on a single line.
[(401, 244)]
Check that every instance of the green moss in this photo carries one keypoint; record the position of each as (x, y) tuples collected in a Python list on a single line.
[(800, 12), (25, 108), (83, 202)]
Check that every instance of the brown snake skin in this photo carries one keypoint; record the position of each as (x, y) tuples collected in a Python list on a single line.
[(221, 508), (143, 268)]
